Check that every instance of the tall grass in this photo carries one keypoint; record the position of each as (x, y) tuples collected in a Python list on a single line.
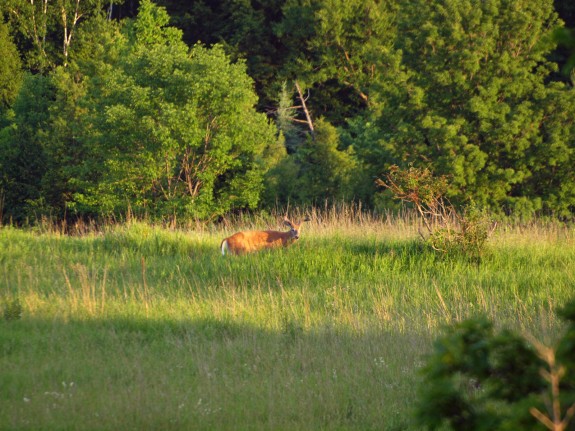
[(144, 327)]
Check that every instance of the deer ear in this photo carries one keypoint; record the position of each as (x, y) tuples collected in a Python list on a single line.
[(287, 222), (306, 219)]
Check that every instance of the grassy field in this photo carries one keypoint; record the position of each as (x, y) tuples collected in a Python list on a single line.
[(136, 327)]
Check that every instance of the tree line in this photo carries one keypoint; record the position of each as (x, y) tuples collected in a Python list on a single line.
[(192, 110)]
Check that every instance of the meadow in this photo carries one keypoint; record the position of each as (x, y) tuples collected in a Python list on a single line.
[(142, 327)]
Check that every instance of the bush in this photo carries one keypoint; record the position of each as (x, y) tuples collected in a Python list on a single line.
[(447, 229), (477, 379)]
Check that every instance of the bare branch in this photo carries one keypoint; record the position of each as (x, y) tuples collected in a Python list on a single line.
[(305, 110), (542, 418)]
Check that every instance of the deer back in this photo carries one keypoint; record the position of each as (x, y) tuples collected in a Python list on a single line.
[(250, 241)]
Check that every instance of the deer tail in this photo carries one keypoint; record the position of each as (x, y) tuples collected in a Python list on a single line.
[(224, 246)]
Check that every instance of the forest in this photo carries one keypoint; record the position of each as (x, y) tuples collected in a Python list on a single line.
[(192, 110)]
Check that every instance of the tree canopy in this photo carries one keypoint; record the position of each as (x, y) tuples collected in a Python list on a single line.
[(193, 110)]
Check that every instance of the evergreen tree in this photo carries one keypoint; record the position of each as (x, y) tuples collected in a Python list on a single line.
[(473, 102), (481, 379), (326, 171), (337, 48), (317, 171)]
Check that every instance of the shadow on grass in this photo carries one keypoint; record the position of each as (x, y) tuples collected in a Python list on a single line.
[(141, 329), (138, 373), (411, 248)]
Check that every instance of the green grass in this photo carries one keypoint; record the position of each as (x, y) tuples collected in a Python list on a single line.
[(141, 328)]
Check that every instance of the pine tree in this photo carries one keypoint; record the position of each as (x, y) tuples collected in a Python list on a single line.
[(473, 102)]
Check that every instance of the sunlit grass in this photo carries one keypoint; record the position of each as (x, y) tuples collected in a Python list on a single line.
[(157, 330)]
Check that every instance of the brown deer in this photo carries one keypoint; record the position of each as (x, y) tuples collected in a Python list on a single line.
[(250, 241)]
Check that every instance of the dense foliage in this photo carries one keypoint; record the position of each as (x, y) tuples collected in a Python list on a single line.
[(110, 109), (171, 130), (478, 379)]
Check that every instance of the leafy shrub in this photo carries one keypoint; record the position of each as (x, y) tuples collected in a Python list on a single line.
[(447, 229)]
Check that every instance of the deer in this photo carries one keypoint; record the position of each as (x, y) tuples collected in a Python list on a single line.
[(251, 241)]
